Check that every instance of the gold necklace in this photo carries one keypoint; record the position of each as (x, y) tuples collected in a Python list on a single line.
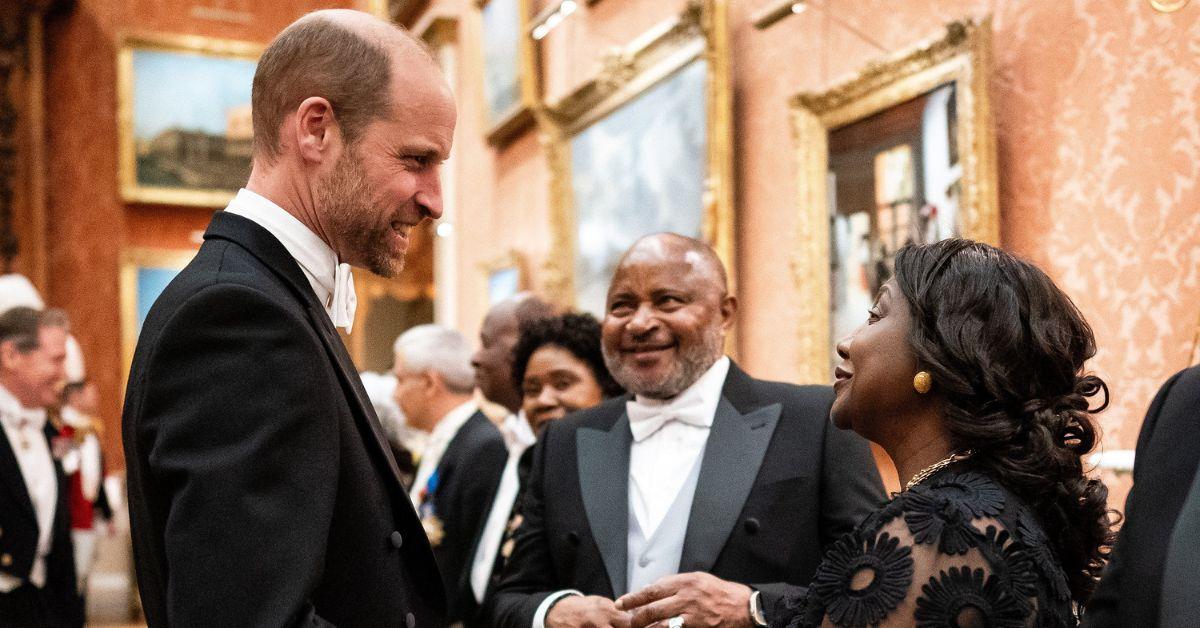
[(924, 474)]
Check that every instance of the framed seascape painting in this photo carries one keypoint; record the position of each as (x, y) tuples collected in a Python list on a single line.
[(185, 126), (643, 148), (507, 114), (903, 154)]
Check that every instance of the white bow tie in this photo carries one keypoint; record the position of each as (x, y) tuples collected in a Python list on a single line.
[(646, 419), (344, 300)]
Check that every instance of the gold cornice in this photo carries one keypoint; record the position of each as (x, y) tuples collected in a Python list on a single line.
[(885, 73), (626, 71)]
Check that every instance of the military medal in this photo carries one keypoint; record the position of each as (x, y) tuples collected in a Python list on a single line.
[(434, 529)]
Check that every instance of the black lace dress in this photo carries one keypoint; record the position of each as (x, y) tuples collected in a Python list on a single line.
[(955, 550)]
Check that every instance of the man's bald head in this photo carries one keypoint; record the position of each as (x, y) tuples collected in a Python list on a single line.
[(344, 56), (667, 314), (672, 248), (497, 338)]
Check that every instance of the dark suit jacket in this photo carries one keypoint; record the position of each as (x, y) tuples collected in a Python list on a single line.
[(777, 484), (262, 491), (1163, 470), (19, 536), (468, 476)]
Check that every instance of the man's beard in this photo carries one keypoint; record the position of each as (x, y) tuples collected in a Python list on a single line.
[(692, 362), (346, 198)]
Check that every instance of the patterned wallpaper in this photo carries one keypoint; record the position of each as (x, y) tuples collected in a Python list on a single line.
[(1096, 106), (1098, 133)]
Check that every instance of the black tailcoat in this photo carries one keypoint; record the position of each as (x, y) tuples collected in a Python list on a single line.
[(778, 482), (19, 539), (262, 491), (1165, 464), (468, 477)]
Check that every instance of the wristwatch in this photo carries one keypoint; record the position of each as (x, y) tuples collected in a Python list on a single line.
[(756, 610)]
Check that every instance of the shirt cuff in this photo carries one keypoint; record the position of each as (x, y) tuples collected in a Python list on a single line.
[(539, 618)]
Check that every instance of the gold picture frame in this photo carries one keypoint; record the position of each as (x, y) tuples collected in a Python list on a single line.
[(144, 272), (698, 33), (961, 57), (506, 276), (505, 125), (194, 50)]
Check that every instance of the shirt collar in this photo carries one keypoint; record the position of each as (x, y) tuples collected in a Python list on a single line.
[(12, 413), (450, 424), (314, 256), (517, 433)]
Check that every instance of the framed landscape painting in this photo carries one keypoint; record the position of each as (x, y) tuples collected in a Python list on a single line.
[(185, 124)]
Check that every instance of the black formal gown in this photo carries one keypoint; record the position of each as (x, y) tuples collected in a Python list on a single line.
[(956, 550)]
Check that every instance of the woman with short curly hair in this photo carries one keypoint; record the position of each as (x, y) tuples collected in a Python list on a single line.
[(558, 367), (970, 373)]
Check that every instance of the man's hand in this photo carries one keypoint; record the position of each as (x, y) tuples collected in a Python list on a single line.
[(577, 611), (702, 599)]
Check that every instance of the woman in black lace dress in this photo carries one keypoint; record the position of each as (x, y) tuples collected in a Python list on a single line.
[(969, 372)]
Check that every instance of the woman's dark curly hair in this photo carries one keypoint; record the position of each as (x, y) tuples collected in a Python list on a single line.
[(577, 333), (1006, 349)]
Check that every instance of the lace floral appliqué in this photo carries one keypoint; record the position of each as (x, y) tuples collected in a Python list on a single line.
[(862, 581), (963, 597)]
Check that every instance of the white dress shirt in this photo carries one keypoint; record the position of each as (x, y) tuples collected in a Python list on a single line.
[(659, 460), (24, 429), (332, 282), (518, 440), (668, 438), (439, 440)]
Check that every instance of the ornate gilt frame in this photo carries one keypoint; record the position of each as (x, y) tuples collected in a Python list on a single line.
[(513, 260), (517, 119), (700, 31), (962, 56), (131, 191), (131, 260)]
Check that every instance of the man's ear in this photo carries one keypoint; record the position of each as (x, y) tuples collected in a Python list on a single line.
[(316, 130), (729, 307), (430, 381), (9, 355)]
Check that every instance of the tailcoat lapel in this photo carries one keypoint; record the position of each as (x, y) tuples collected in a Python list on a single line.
[(603, 460), (10, 472), (736, 447)]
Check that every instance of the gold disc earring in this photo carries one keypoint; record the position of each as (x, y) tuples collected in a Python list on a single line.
[(923, 382)]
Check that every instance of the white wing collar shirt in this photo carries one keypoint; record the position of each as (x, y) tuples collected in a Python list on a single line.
[(332, 282), (439, 440), (668, 437), (24, 429)]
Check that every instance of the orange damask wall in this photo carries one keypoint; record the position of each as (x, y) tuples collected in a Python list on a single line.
[(89, 225), (1095, 107), (1098, 137)]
